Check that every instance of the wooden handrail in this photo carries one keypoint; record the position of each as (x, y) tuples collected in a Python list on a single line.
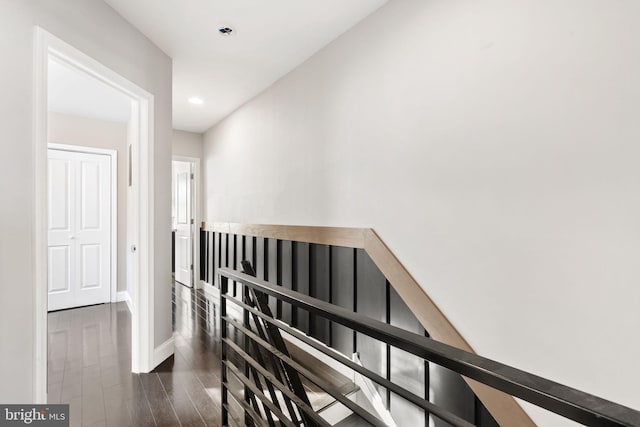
[(503, 407)]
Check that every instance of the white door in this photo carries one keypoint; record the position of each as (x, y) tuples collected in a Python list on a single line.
[(182, 222), (79, 186)]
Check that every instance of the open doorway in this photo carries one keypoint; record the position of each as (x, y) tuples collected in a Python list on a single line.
[(139, 195), (185, 217), (87, 127)]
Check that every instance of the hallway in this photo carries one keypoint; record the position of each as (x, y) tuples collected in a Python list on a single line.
[(89, 366)]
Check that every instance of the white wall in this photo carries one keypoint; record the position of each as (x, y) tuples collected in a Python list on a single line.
[(494, 147), (94, 28), (90, 132), (187, 144)]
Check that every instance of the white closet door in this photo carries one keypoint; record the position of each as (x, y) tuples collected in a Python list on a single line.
[(182, 222), (79, 186)]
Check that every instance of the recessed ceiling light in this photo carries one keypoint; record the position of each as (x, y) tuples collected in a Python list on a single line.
[(195, 100), (225, 31)]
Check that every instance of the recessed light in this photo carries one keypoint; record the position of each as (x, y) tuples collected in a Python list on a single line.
[(195, 100), (225, 31)]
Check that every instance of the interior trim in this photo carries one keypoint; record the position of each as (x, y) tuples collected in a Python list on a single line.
[(142, 229), (123, 296), (502, 407), (163, 351)]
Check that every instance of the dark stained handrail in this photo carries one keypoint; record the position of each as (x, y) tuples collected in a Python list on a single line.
[(560, 399)]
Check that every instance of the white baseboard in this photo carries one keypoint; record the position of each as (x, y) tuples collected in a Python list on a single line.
[(123, 296), (162, 352), (211, 290)]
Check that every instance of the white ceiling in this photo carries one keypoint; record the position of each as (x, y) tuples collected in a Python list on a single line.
[(270, 38), (76, 93)]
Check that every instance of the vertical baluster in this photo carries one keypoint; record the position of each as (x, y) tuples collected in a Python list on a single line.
[(223, 349), (245, 345)]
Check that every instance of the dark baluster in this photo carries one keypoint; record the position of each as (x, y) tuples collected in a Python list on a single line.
[(223, 350)]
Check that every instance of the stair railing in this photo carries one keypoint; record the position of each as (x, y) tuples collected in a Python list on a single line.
[(261, 410)]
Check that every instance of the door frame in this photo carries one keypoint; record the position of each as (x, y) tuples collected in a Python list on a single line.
[(142, 102), (195, 208), (113, 238)]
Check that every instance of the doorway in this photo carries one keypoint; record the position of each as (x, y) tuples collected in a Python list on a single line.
[(82, 229), (182, 218), (140, 223)]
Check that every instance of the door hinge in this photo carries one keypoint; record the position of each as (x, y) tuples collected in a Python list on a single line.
[(192, 221), (192, 266), (192, 176)]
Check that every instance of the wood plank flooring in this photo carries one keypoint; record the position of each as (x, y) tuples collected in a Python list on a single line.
[(89, 364)]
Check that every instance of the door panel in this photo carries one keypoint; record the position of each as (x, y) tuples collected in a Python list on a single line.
[(59, 197), (59, 276), (79, 229), (90, 264), (90, 197), (182, 249), (182, 197), (182, 221)]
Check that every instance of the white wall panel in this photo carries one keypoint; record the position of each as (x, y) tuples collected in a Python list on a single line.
[(90, 196), (59, 275), (182, 202), (59, 198), (90, 266)]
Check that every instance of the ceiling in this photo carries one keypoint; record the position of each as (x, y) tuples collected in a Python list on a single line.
[(270, 38), (76, 93)]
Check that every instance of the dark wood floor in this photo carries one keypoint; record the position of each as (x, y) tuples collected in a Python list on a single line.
[(90, 367)]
